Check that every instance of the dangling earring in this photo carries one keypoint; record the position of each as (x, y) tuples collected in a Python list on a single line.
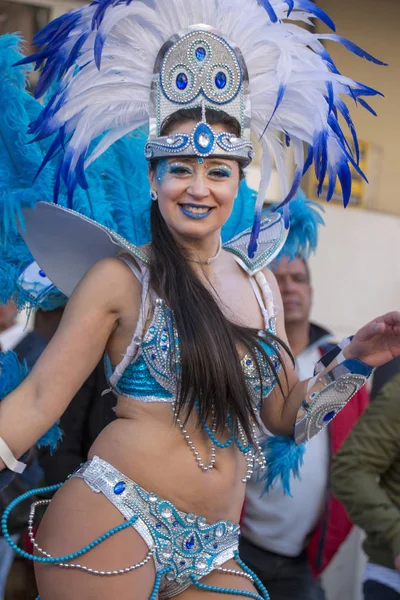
[(154, 195)]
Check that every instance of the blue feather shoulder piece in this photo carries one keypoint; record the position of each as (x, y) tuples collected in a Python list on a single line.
[(305, 219)]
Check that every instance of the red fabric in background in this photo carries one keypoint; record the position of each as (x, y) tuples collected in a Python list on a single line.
[(335, 524)]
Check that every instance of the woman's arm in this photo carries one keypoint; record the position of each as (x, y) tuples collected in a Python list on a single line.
[(91, 316), (375, 344)]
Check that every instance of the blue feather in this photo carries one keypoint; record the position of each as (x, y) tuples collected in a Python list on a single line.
[(305, 221), (352, 47), (344, 175), (332, 183), (309, 6), (309, 159), (98, 49), (279, 98), (284, 460), (320, 157), (293, 190), (51, 438), (270, 11), (12, 372), (367, 106), (255, 232), (290, 4), (331, 96)]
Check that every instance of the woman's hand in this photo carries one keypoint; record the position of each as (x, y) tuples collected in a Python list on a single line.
[(377, 342)]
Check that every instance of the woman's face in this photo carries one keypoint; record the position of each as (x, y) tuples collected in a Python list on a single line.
[(195, 195)]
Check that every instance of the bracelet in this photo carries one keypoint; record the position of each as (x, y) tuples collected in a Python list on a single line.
[(9, 459), (327, 395)]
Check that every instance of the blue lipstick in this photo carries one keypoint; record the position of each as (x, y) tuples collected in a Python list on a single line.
[(192, 215)]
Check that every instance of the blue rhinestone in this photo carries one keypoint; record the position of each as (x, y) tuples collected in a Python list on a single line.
[(248, 362), (190, 543), (153, 357), (165, 328), (215, 546), (175, 524), (119, 487), (42, 273), (200, 54), (164, 348), (207, 537), (158, 525), (182, 563), (220, 80), (152, 329), (181, 81), (329, 416), (164, 338)]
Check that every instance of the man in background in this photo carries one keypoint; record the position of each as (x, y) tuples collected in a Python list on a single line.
[(287, 540)]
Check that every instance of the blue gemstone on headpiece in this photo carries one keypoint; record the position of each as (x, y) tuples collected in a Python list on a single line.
[(220, 80), (190, 543), (329, 416), (203, 138), (119, 487), (181, 81), (200, 54), (42, 273)]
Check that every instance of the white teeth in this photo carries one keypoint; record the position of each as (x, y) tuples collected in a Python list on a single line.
[(196, 209)]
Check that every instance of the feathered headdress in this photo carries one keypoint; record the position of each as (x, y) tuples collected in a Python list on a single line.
[(104, 61)]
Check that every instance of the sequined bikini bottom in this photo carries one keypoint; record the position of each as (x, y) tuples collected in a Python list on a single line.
[(181, 543), (184, 547)]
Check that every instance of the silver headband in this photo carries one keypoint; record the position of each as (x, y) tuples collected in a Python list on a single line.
[(199, 68)]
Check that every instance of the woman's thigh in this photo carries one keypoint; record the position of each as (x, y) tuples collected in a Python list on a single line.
[(222, 580), (75, 517)]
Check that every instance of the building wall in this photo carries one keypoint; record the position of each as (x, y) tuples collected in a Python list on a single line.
[(373, 25)]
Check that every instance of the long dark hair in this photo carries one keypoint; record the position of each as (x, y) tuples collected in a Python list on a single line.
[(211, 377)]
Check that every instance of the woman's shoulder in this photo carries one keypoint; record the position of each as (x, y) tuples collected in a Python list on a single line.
[(112, 278)]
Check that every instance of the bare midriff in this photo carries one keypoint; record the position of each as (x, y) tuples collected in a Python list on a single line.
[(146, 445)]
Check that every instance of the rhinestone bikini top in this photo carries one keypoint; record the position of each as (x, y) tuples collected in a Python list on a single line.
[(152, 371)]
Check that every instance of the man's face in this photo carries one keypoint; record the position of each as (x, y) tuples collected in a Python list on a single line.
[(7, 315), (295, 288)]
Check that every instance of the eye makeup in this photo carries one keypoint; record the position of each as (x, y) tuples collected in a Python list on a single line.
[(161, 170), (219, 172)]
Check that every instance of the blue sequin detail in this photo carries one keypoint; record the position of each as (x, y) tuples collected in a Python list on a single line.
[(42, 273), (329, 416), (220, 80), (119, 487), (200, 54), (181, 81), (136, 381)]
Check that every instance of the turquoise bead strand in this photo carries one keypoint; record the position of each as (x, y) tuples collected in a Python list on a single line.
[(249, 571), (233, 592), (54, 560)]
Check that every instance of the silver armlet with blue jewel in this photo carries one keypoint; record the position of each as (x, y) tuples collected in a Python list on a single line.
[(327, 394)]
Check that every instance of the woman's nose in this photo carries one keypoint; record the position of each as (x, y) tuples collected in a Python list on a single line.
[(199, 187)]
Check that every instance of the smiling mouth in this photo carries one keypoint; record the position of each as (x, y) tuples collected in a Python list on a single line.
[(196, 209)]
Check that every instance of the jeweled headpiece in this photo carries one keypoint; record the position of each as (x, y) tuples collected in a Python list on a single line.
[(200, 69), (119, 64)]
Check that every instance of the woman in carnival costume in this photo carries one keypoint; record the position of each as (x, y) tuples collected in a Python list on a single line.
[(193, 329)]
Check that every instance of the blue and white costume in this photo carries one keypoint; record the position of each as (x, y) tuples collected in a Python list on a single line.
[(147, 59)]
